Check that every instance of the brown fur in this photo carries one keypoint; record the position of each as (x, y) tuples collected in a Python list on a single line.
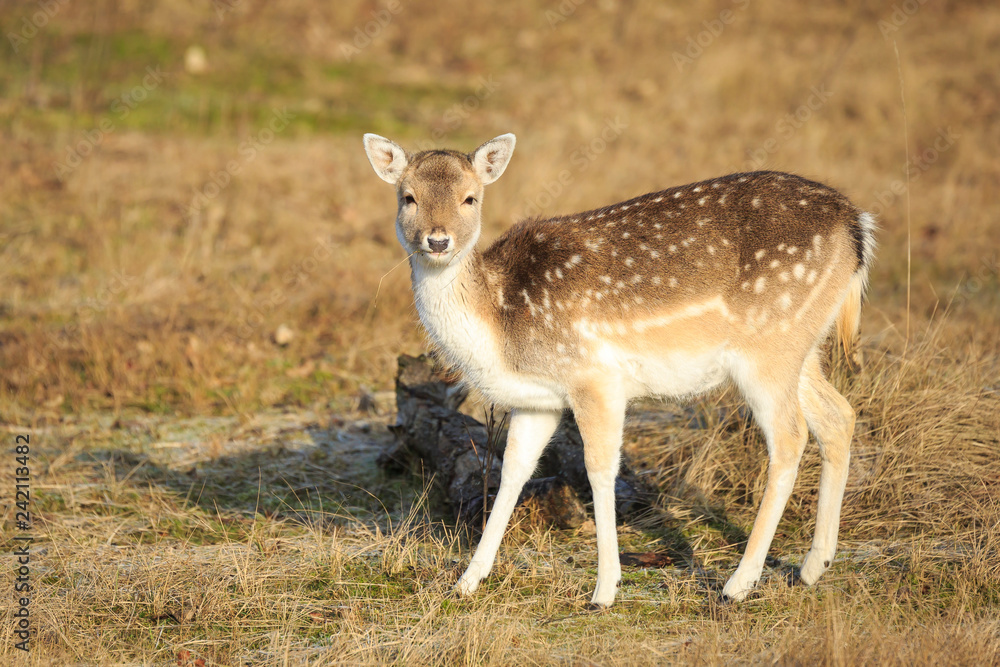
[(649, 256)]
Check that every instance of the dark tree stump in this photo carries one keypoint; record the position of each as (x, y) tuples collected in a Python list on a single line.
[(434, 438)]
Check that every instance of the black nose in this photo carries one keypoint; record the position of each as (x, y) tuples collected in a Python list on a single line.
[(438, 245)]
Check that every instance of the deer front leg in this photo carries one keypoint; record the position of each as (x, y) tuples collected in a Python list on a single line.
[(527, 436), (600, 414)]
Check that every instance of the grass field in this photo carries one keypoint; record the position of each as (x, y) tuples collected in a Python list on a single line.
[(181, 180)]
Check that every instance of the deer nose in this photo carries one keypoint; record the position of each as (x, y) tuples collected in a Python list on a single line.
[(438, 244)]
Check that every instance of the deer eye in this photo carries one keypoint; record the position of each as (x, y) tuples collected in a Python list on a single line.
[(470, 200), (409, 199)]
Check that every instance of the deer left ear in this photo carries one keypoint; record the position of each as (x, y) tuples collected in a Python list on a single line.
[(490, 159), (388, 159)]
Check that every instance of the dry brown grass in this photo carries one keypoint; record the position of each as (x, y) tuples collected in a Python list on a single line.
[(194, 494)]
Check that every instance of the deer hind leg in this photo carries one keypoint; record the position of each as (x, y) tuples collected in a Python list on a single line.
[(776, 408), (831, 420), (527, 436), (600, 414)]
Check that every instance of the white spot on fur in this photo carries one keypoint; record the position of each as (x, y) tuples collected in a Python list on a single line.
[(798, 271), (697, 310), (759, 254), (759, 285), (672, 282), (711, 250), (677, 195), (783, 276), (811, 278), (629, 261), (606, 280), (774, 264), (756, 202)]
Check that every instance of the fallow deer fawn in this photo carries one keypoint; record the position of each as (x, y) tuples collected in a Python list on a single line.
[(737, 279)]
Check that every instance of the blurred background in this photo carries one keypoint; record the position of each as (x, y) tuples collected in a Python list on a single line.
[(188, 222)]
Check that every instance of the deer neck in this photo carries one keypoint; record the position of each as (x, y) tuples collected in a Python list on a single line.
[(452, 304)]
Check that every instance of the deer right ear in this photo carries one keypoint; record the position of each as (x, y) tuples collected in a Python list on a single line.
[(490, 159), (388, 160)]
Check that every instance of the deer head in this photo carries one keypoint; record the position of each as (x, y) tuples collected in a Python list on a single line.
[(440, 194)]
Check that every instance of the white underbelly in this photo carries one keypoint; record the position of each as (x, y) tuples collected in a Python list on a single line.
[(675, 375)]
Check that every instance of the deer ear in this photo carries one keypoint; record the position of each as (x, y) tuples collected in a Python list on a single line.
[(388, 160), (490, 159)]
